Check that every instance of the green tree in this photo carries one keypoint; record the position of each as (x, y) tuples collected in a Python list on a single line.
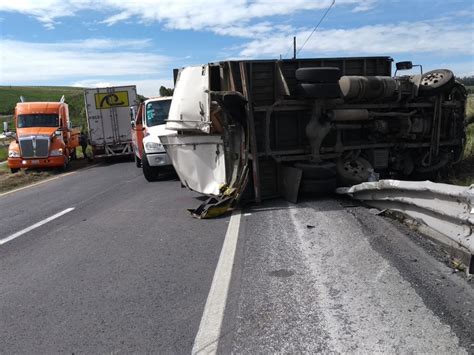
[(166, 91)]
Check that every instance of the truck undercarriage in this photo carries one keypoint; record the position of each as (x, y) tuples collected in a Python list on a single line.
[(306, 126)]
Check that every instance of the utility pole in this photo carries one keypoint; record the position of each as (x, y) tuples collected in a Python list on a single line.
[(294, 48)]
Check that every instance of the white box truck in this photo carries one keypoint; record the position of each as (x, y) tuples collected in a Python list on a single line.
[(108, 119)]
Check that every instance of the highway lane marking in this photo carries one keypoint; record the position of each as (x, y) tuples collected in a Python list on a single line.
[(36, 225), (43, 181), (207, 337)]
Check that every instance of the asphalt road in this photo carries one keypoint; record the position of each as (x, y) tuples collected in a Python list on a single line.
[(128, 270), (325, 276)]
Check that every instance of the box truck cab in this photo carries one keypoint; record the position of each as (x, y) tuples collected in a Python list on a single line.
[(148, 123), (44, 137)]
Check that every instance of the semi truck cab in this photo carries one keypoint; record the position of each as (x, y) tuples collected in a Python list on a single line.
[(44, 137)]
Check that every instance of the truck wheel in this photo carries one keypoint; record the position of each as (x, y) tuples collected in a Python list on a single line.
[(151, 173), (352, 171), (436, 81), (318, 75), (321, 91), (65, 166), (14, 170)]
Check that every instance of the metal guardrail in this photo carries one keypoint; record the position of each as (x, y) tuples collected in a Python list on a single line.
[(447, 209)]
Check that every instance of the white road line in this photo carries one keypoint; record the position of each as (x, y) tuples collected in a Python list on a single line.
[(36, 225), (207, 338)]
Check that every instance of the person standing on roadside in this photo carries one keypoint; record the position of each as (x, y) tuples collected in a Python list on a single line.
[(83, 141)]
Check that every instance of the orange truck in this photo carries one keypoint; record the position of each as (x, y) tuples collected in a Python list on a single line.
[(44, 137)]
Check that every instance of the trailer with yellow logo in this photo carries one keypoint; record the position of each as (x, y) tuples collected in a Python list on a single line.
[(108, 119)]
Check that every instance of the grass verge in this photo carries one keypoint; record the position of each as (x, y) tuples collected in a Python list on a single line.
[(3, 152), (9, 181), (464, 171)]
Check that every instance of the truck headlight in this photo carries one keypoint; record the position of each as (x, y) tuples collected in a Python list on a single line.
[(56, 152), (13, 154), (153, 147)]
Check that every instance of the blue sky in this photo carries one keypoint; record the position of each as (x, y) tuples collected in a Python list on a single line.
[(114, 42)]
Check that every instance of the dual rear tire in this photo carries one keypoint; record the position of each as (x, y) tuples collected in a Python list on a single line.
[(318, 82)]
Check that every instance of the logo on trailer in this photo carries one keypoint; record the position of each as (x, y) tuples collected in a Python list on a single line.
[(113, 99)]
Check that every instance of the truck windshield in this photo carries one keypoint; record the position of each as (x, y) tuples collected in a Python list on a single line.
[(38, 120), (157, 112)]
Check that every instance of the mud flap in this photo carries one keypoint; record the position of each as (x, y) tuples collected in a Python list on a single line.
[(289, 182)]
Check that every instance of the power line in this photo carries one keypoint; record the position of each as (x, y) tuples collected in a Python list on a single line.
[(315, 28)]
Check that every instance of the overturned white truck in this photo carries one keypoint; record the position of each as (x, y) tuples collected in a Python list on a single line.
[(267, 128)]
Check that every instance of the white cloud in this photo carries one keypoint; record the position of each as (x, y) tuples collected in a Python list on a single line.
[(439, 38), (364, 6), (210, 15), (50, 62)]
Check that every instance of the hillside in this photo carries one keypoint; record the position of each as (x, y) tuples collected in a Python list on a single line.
[(10, 95)]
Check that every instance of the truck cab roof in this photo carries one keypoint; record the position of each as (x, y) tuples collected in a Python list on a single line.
[(158, 98), (38, 107)]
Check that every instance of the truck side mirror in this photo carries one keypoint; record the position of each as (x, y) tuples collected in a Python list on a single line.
[(407, 65), (404, 65), (132, 112), (133, 124)]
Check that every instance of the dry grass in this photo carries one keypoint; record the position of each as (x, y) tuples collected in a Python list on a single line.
[(9, 181)]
